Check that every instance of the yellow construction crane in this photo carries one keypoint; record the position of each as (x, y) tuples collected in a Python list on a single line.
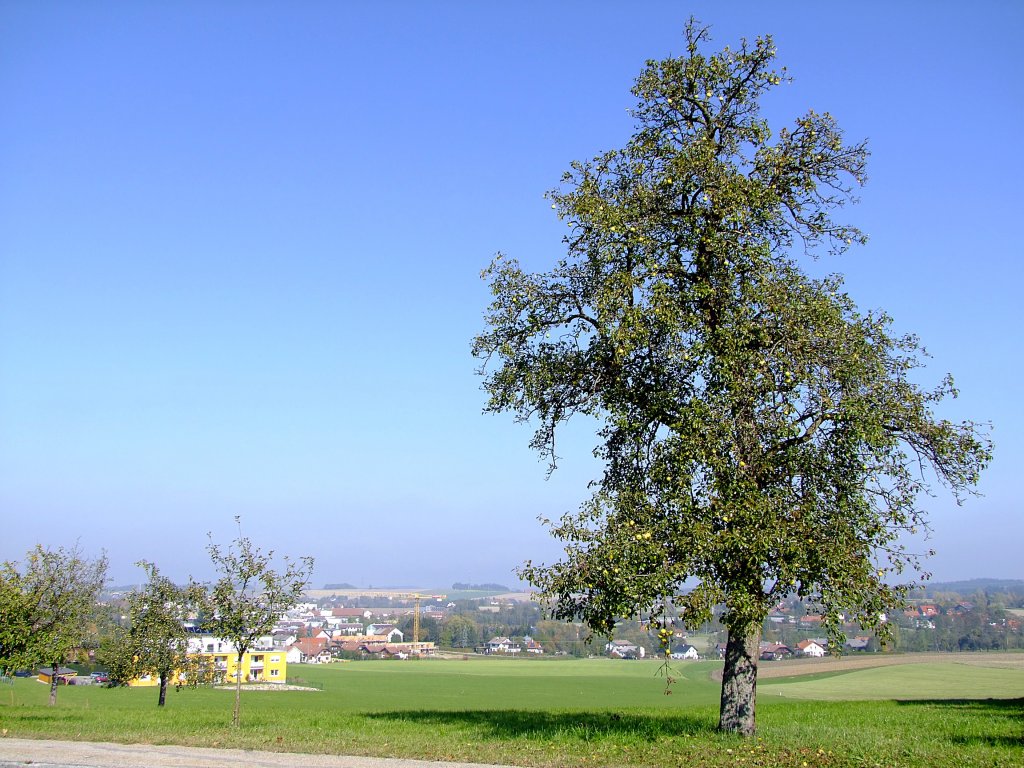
[(416, 616)]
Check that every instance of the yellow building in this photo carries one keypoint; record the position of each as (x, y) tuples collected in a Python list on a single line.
[(257, 667)]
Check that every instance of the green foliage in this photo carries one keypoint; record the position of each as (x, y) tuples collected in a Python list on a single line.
[(250, 595), (15, 620), (430, 632), (155, 640), (458, 631), (49, 607), (760, 434), (461, 586)]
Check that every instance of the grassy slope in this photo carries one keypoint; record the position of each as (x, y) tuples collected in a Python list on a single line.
[(908, 682), (556, 713)]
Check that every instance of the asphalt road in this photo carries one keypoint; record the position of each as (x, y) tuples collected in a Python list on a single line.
[(82, 754)]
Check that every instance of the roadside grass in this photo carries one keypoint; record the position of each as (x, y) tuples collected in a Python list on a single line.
[(556, 713)]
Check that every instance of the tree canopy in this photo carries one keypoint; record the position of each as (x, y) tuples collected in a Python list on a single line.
[(760, 434), (155, 640), (15, 619), (48, 607)]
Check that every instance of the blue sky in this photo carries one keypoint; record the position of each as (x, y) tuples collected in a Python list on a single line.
[(240, 247)]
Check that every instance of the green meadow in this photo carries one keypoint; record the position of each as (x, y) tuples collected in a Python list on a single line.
[(566, 712)]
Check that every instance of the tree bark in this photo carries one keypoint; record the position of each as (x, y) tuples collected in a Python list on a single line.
[(163, 689), (53, 685), (238, 690), (739, 681)]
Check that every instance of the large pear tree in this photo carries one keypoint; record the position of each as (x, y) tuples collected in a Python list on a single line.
[(761, 435)]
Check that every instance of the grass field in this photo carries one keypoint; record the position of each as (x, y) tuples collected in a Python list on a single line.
[(568, 712)]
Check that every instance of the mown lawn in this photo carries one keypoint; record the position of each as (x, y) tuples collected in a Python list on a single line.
[(562, 713)]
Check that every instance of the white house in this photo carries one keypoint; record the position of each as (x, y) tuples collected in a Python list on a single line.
[(502, 645), (810, 648), (623, 649), (389, 631), (685, 652)]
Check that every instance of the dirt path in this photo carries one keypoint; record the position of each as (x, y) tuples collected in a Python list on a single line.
[(86, 754)]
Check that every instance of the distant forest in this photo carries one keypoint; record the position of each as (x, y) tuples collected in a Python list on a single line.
[(970, 586), (461, 586)]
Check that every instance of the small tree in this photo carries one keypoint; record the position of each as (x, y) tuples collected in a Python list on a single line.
[(250, 596), (57, 604), (429, 630), (459, 632), (760, 435), (155, 641)]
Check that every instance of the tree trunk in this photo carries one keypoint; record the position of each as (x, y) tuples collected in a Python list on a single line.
[(53, 685), (739, 681), (163, 689), (238, 690)]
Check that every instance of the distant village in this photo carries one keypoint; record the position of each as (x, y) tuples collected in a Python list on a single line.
[(337, 628), (333, 629)]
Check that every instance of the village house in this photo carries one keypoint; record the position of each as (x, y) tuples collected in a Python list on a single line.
[(685, 652), (860, 643), (810, 648), (65, 675), (502, 645), (389, 632), (352, 614), (317, 631), (311, 650), (774, 651), (384, 650), (349, 628), (532, 646), (282, 638), (623, 649)]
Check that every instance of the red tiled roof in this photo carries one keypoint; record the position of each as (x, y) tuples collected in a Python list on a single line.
[(310, 646)]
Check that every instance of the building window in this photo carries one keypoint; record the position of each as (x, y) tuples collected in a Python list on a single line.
[(275, 672), (275, 659)]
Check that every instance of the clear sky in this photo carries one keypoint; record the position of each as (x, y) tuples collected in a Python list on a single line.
[(240, 246)]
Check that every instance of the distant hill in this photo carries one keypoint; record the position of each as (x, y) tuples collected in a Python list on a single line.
[(970, 586), (461, 586), (344, 585)]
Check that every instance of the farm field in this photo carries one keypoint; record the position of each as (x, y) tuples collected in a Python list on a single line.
[(569, 712)]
